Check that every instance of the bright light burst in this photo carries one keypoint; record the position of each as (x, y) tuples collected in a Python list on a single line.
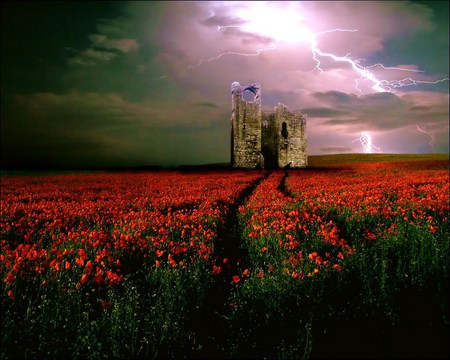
[(284, 23), (366, 141)]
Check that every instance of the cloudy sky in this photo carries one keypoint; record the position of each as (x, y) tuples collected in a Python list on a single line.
[(95, 84)]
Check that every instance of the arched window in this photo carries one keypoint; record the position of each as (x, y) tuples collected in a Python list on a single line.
[(284, 132)]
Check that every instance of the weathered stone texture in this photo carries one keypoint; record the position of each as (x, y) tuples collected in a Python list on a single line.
[(270, 140), (245, 128), (291, 132)]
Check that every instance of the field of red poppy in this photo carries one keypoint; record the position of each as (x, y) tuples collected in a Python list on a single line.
[(344, 259)]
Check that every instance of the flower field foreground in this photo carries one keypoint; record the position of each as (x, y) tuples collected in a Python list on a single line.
[(357, 254), (346, 262), (129, 255)]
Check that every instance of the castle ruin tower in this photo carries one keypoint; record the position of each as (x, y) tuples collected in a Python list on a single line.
[(291, 135), (270, 140), (245, 126)]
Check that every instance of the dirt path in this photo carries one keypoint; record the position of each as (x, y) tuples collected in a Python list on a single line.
[(211, 327), (283, 187)]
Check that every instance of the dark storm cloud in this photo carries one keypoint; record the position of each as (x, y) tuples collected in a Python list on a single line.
[(231, 26), (323, 112), (105, 129), (149, 82), (82, 109), (124, 45), (104, 47), (271, 98), (246, 38), (346, 121), (334, 97), (222, 20), (338, 98), (206, 104), (82, 126), (372, 111), (385, 111), (91, 57), (419, 108), (113, 27)]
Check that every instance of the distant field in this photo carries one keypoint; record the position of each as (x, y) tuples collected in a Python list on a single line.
[(314, 161), (339, 159)]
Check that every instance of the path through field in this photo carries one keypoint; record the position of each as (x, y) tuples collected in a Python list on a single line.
[(365, 335), (347, 261), (211, 327)]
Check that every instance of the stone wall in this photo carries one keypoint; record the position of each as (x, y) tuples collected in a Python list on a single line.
[(292, 143), (245, 127), (270, 140)]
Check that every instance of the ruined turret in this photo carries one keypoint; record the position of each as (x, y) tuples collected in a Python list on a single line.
[(270, 140), (245, 127)]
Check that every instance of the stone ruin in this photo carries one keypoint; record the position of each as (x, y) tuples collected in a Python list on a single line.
[(265, 140)]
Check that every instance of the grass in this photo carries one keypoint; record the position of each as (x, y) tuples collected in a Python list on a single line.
[(340, 159), (390, 300)]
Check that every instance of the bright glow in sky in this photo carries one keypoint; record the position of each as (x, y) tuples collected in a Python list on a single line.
[(285, 22), (143, 83), (282, 22)]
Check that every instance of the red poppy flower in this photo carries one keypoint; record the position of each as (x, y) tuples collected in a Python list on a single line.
[(84, 278), (337, 267), (216, 270), (9, 279)]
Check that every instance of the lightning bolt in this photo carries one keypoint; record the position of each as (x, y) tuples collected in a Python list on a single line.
[(365, 74), (388, 67), (256, 53), (408, 82), (258, 20), (430, 134), (366, 141)]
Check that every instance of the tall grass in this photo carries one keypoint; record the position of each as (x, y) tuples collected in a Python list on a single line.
[(152, 315), (312, 278), (394, 282)]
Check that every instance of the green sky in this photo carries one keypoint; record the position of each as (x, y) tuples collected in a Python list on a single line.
[(100, 84)]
